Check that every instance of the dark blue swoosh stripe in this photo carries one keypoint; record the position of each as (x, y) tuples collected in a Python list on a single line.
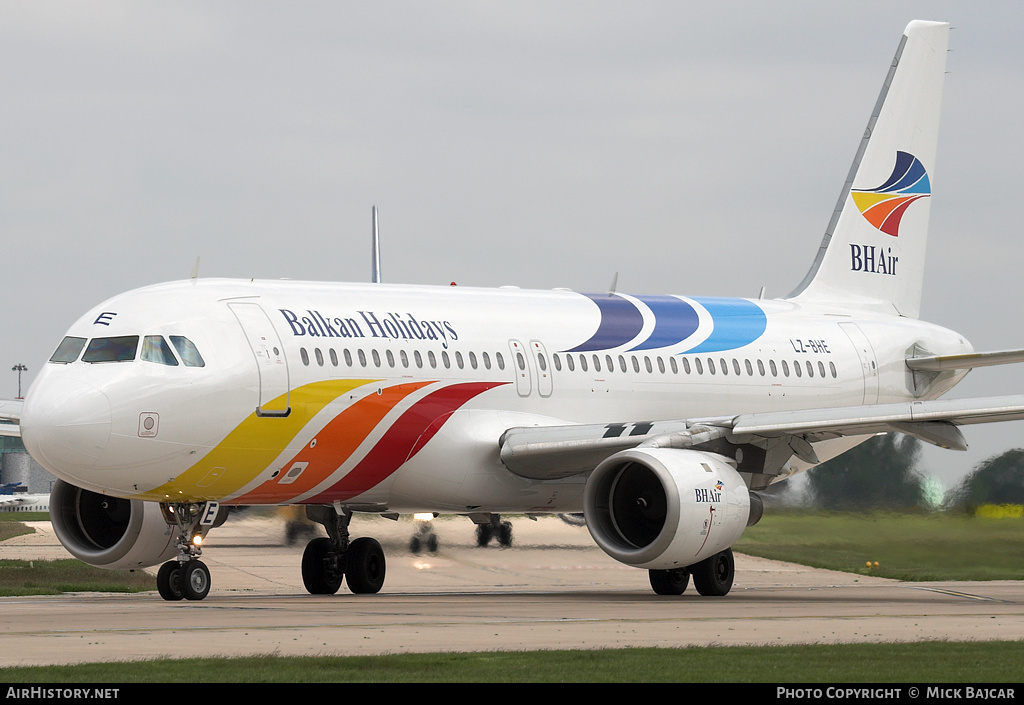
[(738, 322), (675, 321), (621, 321)]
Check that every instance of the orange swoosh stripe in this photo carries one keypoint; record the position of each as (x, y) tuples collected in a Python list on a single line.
[(253, 445), (331, 447)]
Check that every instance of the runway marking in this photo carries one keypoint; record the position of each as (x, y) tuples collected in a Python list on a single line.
[(954, 593)]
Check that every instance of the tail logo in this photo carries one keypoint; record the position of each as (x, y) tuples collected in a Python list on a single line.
[(885, 205)]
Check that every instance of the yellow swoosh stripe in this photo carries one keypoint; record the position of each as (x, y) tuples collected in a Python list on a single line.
[(250, 447)]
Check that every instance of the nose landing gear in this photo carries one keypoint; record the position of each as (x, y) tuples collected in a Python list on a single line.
[(186, 576)]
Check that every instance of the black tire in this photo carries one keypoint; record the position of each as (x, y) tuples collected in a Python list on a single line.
[(505, 534), (432, 543), (669, 582), (414, 545), (713, 576), (483, 534), (194, 580), (168, 581), (321, 569), (365, 566)]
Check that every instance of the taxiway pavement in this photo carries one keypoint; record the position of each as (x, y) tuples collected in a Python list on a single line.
[(553, 589)]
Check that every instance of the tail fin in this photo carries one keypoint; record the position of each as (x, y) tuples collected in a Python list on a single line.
[(872, 255)]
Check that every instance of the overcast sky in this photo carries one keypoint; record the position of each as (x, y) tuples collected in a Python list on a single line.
[(694, 148)]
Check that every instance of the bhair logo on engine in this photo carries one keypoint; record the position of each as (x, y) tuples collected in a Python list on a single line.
[(708, 495)]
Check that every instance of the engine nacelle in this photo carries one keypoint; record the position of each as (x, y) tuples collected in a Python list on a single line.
[(664, 508), (109, 532)]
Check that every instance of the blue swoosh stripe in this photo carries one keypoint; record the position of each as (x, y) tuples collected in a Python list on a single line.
[(737, 322), (621, 321), (675, 321)]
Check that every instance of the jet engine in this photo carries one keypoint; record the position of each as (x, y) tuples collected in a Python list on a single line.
[(666, 508), (109, 532)]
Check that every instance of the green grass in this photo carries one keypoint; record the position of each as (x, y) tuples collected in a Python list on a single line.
[(68, 575), (916, 547), (927, 662)]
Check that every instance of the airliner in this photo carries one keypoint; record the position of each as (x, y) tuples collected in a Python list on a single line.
[(658, 417)]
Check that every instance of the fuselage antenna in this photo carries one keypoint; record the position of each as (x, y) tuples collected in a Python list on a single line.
[(375, 256)]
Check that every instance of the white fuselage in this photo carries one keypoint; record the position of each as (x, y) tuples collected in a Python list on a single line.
[(394, 397)]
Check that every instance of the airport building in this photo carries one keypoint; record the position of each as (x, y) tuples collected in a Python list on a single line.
[(16, 465)]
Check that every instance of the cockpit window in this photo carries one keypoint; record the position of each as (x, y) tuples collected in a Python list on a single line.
[(119, 349), (187, 349), (156, 349), (68, 350)]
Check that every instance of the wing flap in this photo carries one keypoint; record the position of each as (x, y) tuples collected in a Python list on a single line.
[(553, 452)]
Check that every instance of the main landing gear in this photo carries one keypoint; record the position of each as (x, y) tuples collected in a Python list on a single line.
[(186, 576), (490, 526), (328, 561), (712, 577)]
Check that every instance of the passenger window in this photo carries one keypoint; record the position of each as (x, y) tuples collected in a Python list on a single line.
[(832, 369), (348, 357), (362, 358), (304, 355), (501, 360), (597, 364), (319, 357), (446, 360), (432, 359), (686, 365), (760, 368), (583, 362), (120, 349), (458, 359), (675, 365), (405, 358), (796, 368), (334, 357), (661, 365), (487, 360), (188, 352), (569, 361), (68, 350), (391, 358), (418, 358), (622, 363), (472, 359), (155, 349)]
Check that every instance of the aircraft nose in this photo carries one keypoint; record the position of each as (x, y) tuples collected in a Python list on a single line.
[(66, 425)]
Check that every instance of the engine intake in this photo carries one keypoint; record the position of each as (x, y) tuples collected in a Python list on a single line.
[(663, 508), (109, 532)]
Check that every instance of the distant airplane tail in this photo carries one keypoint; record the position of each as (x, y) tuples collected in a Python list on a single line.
[(872, 255)]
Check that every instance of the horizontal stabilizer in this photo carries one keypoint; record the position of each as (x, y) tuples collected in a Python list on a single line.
[(967, 361)]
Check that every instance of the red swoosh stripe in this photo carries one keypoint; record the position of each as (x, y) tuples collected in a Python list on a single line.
[(332, 446), (403, 440)]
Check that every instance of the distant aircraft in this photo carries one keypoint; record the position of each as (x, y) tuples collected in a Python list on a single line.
[(23, 502), (658, 417)]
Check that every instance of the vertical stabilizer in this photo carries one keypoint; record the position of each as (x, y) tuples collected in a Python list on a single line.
[(872, 255)]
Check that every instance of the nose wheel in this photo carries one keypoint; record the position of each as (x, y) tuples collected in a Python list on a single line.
[(189, 580), (187, 577)]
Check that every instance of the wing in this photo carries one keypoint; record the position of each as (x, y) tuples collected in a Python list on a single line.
[(10, 415), (551, 452)]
